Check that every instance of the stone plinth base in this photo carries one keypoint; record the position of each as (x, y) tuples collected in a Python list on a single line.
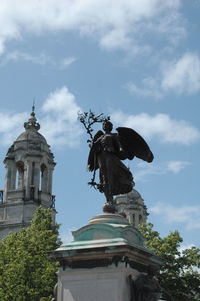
[(96, 265), (98, 284)]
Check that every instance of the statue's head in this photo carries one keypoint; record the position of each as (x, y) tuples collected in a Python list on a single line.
[(107, 126)]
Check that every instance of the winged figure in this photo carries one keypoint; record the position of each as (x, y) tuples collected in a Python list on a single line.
[(107, 151)]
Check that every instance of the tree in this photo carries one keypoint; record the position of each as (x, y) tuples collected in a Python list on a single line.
[(179, 275), (27, 271)]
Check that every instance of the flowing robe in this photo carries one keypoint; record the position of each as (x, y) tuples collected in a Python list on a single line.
[(115, 177)]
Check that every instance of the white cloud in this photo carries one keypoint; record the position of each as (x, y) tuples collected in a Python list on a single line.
[(188, 215), (183, 75), (149, 88), (11, 126), (160, 125), (41, 59), (180, 76), (67, 62), (62, 102), (177, 166), (16, 56), (172, 24), (114, 24), (58, 122), (60, 125), (143, 170)]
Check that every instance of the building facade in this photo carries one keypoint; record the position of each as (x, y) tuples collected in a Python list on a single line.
[(29, 165), (132, 206)]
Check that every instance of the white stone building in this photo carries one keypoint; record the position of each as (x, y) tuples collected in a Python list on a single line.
[(132, 206), (29, 165)]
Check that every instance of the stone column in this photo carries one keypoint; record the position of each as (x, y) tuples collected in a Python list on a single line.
[(137, 219), (49, 179), (27, 179), (12, 181), (132, 218), (36, 179), (10, 177), (44, 180), (7, 178)]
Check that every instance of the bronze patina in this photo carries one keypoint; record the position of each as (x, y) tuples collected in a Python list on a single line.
[(146, 287)]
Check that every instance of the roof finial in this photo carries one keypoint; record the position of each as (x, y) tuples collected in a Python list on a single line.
[(33, 108), (32, 123)]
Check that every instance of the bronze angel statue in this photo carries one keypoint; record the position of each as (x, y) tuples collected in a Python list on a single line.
[(108, 150)]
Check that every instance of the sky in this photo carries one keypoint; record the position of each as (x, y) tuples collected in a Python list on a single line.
[(135, 60)]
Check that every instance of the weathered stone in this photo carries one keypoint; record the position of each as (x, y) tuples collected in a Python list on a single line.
[(29, 165), (131, 206), (97, 263)]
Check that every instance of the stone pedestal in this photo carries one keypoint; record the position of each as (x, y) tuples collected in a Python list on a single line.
[(97, 284), (96, 265)]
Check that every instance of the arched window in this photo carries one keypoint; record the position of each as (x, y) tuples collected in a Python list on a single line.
[(140, 219), (20, 175)]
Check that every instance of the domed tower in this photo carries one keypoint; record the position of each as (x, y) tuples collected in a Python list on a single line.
[(132, 206), (29, 165)]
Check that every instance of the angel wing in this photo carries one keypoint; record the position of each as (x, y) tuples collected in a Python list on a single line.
[(134, 145), (92, 160)]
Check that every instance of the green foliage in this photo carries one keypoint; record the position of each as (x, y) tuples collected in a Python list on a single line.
[(179, 274), (27, 272)]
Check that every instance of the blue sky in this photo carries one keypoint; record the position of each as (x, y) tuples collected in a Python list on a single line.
[(136, 60)]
